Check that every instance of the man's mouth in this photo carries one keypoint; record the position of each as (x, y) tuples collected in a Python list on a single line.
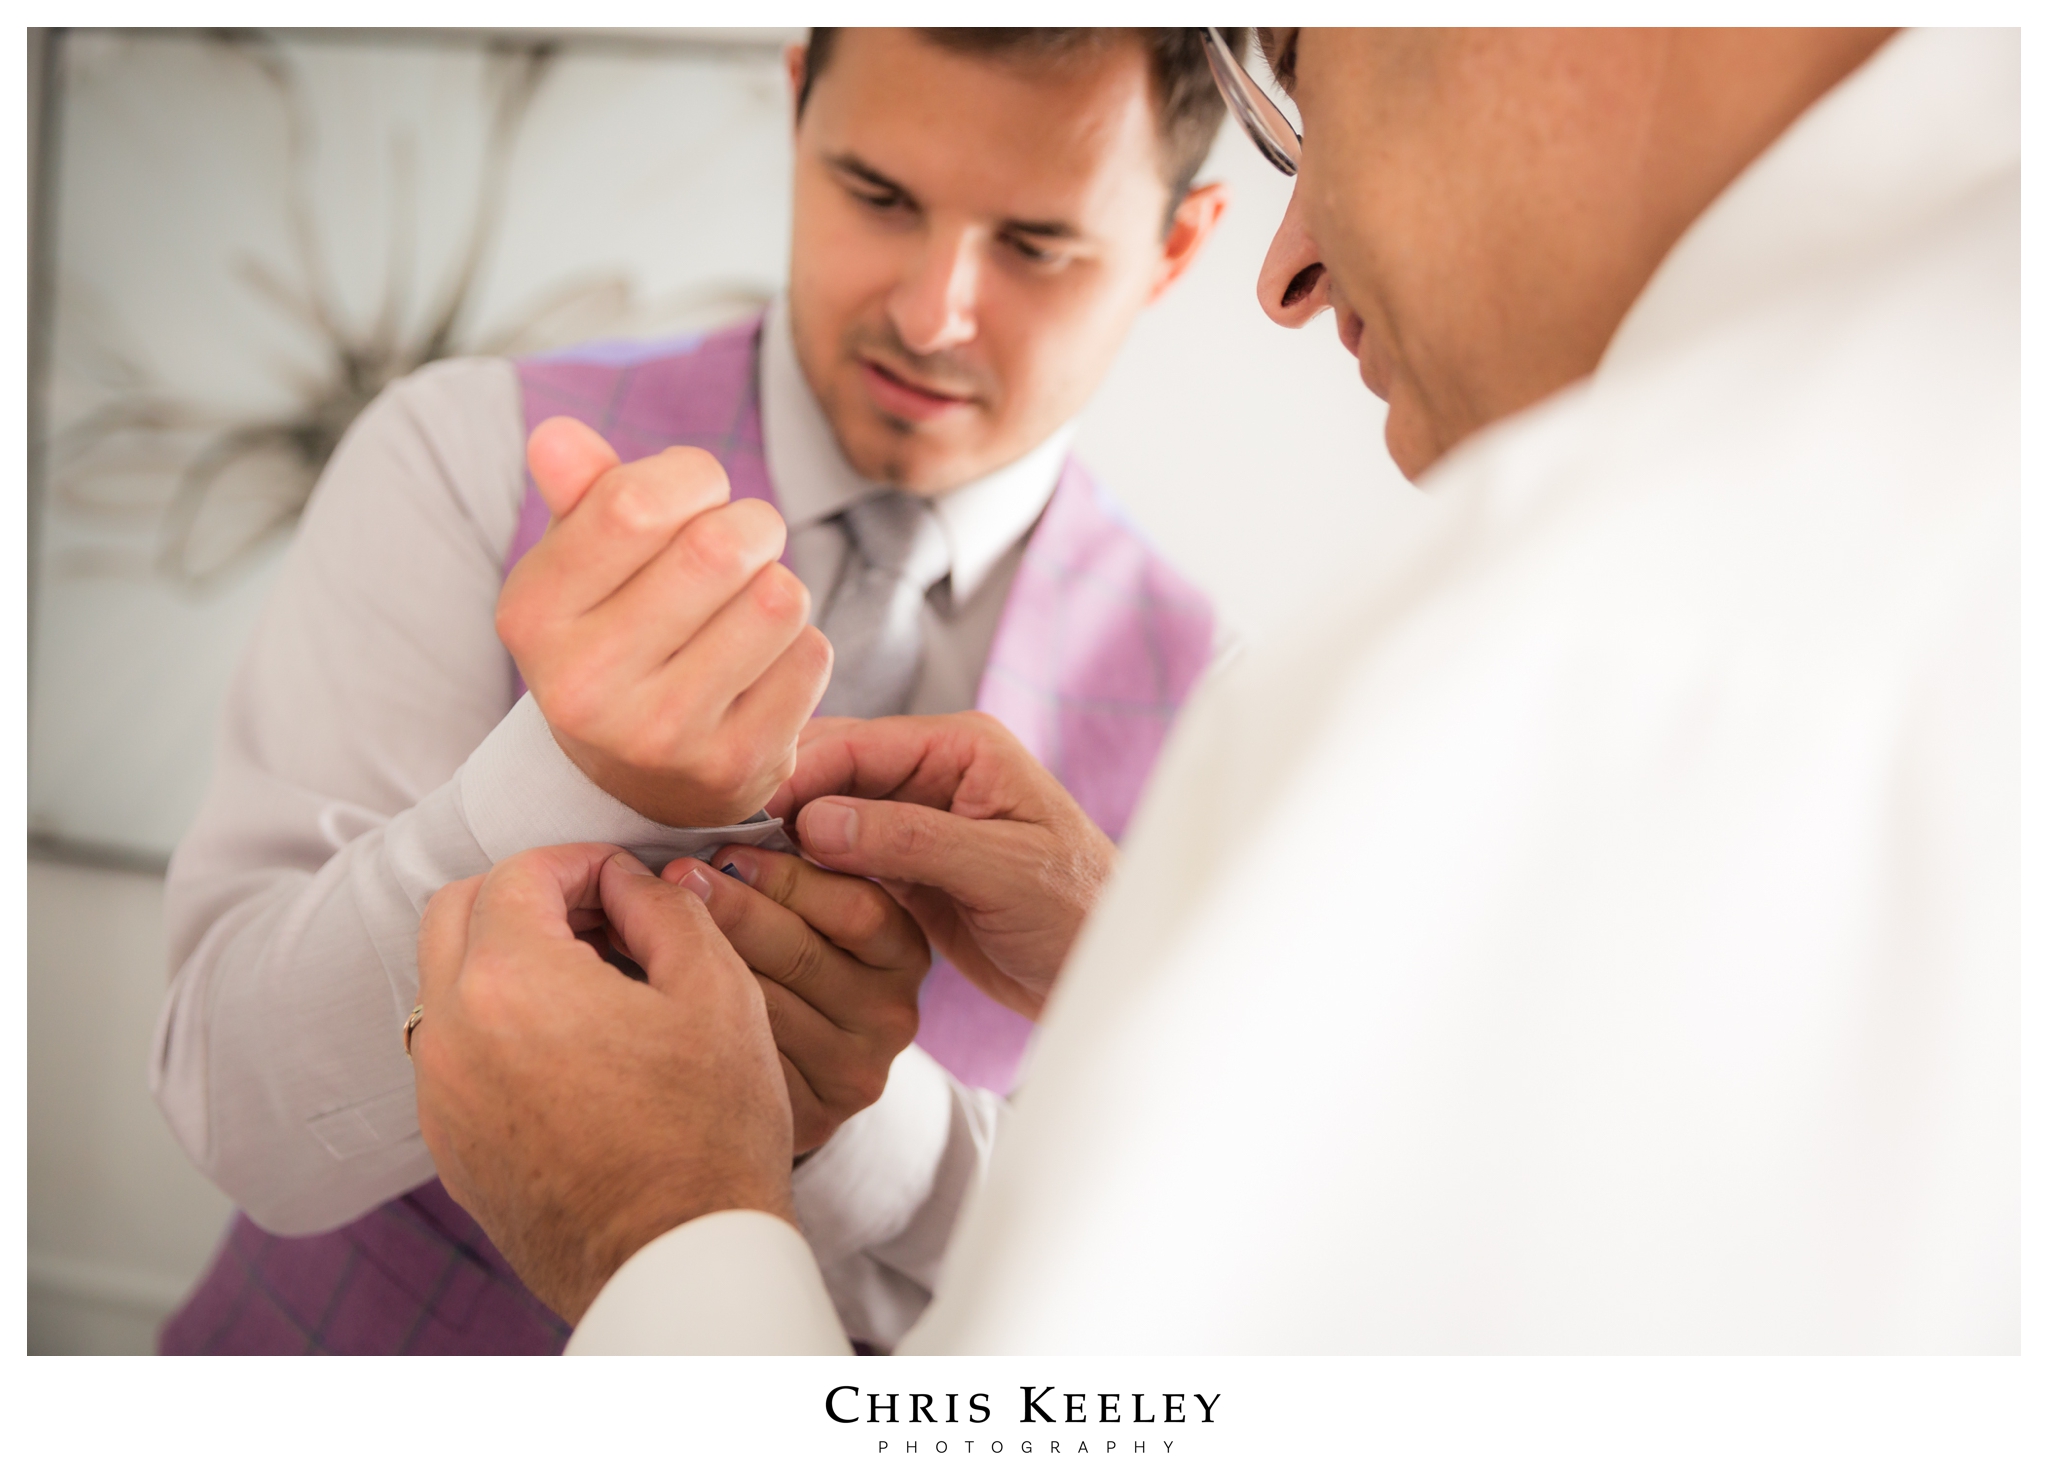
[(1350, 329), (1351, 334), (900, 396)]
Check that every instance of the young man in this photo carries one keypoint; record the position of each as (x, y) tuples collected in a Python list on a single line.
[(1618, 947), (979, 218)]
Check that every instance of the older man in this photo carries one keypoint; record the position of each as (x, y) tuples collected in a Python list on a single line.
[(979, 217), (1599, 936)]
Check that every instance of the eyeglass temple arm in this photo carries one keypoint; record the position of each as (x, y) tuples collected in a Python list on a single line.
[(1237, 91)]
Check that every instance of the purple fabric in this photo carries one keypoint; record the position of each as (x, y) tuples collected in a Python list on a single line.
[(416, 1276), (1099, 644)]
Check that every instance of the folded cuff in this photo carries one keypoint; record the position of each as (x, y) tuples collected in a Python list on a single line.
[(519, 791), (737, 1283)]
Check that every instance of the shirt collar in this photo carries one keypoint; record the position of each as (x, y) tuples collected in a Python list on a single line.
[(813, 481), (1930, 117)]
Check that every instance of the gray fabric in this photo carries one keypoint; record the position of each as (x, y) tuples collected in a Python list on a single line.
[(897, 551)]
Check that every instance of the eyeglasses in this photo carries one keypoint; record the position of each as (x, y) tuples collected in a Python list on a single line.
[(1259, 115)]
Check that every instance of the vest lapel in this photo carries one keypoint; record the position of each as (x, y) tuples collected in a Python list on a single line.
[(1098, 646)]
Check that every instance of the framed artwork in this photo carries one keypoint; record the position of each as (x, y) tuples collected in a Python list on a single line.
[(241, 239)]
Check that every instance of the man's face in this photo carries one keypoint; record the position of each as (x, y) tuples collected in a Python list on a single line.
[(972, 240), (1479, 206)]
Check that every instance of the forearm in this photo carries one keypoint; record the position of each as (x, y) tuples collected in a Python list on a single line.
[(279, 1063)]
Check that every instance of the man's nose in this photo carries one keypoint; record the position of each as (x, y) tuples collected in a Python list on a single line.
[(1293, 285), (933, 307)]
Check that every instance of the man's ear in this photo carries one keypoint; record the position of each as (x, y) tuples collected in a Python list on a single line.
[(796, 60), (1193, 219)]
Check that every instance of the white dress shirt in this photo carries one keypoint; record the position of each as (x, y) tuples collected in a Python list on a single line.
[(367, 757), (1641, 860)]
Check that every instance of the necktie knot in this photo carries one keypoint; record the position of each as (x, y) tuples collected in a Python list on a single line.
[(897, 552), (898, 532)]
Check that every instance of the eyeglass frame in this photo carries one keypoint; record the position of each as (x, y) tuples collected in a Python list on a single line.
[(1256, 113)]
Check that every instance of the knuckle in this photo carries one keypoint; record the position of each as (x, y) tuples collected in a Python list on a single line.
[(811, 651), (526, 622), (780, 596), (778, 878), (915, 829), (514, 620), (443, 901), (573, 702), (812, 1128), (636, 505), (761, 523), (814, 646), (722, 770), (866, 1083), (866, 914), (903, 1025), (715, 546), (778, 1015), (694, 471), (806, 962), (779, 769), (643, 751), (484, 977)]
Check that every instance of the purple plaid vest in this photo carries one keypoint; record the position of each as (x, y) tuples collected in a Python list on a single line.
[(1098, 646)]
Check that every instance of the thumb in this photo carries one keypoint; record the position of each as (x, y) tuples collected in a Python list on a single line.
[(975, 861), (566, 457), (665, 927), (444, 935)]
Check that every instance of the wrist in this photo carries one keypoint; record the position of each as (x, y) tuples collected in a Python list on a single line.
[(633, 1230), (665, 797)]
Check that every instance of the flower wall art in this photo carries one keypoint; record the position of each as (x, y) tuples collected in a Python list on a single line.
[(242, 238)]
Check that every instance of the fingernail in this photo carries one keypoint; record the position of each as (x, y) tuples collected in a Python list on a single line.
[(629, 863), (741, 867), (697, 882), (831, 827)]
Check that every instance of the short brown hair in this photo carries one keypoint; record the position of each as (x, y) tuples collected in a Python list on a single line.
[(1190, 108)]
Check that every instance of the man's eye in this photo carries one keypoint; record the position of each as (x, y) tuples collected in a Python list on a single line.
[(884, 202), (1032, 252)]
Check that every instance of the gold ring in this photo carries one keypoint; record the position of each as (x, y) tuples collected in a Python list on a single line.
[(412, 1020)]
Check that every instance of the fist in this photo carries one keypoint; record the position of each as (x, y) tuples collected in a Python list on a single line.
[(577, 1113), (667, 648), (964, 826), (839, 965)]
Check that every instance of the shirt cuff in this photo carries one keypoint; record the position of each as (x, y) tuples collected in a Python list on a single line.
[(737, 1283), (518, 791), (875, 1175)]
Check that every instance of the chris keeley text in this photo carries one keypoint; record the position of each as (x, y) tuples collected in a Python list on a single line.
[(849, 1404)]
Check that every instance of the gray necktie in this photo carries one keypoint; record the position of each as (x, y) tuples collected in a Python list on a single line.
[(896, 551)]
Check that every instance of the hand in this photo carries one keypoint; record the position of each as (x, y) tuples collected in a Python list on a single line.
[(984, 848), (576, 1113), (664, 644), (839, 963)]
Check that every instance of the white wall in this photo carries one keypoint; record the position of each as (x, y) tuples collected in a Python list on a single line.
[(118, 1221), (1251, 453)]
